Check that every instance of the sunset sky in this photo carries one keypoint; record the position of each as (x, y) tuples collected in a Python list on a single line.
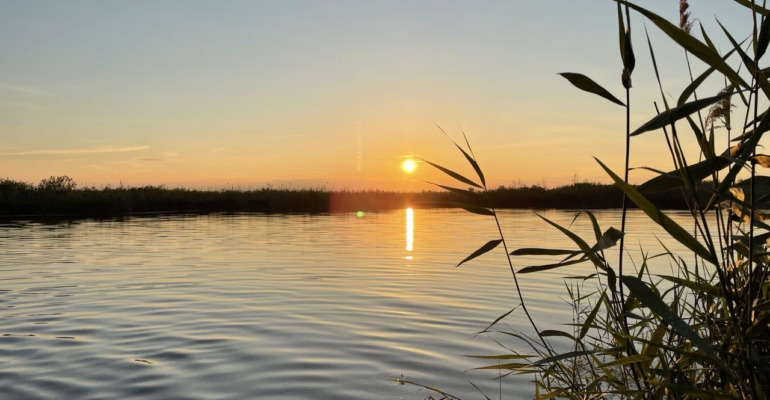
[(327, 93)]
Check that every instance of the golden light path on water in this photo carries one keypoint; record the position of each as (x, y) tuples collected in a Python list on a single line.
[(409, 231)]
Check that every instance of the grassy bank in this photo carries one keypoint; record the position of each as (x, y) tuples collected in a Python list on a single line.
[(61, 196)]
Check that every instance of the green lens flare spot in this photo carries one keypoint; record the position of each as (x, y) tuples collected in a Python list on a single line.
[(360, 214)]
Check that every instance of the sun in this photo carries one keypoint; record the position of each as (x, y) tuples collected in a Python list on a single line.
[(408, 166)]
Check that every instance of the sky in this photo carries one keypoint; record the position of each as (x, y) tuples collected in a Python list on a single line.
[(332, 94)]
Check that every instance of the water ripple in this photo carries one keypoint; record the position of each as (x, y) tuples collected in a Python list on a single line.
[(254, 306)]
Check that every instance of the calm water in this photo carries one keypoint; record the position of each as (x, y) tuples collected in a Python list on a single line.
[(271, 307)]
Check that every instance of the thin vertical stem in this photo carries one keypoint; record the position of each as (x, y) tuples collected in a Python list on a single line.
[(625, 202)]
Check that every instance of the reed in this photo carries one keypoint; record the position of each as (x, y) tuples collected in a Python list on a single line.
[(703, 331)]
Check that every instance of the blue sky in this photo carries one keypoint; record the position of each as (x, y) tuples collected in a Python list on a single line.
[(334, 93)]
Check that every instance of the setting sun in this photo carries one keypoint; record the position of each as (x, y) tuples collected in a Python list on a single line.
[(408, 166)]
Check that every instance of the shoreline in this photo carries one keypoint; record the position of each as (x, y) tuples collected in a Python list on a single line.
[(24, 201)]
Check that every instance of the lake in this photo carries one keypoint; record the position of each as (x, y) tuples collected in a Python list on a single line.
[(253, 306)]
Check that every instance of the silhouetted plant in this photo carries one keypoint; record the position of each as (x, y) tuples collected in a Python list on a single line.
[(705, 332), (57, 184)]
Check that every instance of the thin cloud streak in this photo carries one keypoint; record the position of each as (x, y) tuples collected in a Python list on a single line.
[(25, 89), (76, 151)]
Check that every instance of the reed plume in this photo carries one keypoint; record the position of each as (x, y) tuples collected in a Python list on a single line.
[(720, 111), (684, 16)]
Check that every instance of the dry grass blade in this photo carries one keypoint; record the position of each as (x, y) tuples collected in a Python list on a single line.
[(762, 160)]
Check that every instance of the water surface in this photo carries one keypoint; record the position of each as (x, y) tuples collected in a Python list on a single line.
[(273, 307)]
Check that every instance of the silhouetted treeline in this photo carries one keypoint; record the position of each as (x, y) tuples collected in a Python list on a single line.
[(582, 195), (61, 196)]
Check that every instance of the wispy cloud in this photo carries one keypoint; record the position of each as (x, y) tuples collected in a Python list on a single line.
[(25, 105), (25, 89), (76, 151)]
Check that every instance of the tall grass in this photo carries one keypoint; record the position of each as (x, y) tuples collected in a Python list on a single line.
[(704, 331)]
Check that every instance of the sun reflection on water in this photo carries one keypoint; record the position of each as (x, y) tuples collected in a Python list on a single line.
[(409, 231)]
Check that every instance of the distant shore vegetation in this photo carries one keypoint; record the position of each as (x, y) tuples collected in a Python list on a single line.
[(61, 196)]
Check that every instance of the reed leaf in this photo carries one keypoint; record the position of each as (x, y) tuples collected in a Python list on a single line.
[(608, 239), (629, 61), (533, 251), (585, 83), (474, 164), (656, 305), (505, 366), (453, 174), (693, 393), (594, 224), (573, 354), (591, 317), (455, 190), (673, 229), (695, 84), (501, 357), (673, 179), (698, 287), (580, 242), (707, 39), (762, 160), (651, 348), (746, 151), (553, 332), (763, 40), (538, 268), (628, 360), (622, 36), (675, 114), (689, 43), (706, 144), (468, 157), (751, 5), (761, 79), (500, 318), (758, 326), (490, 245), (473, 209)]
